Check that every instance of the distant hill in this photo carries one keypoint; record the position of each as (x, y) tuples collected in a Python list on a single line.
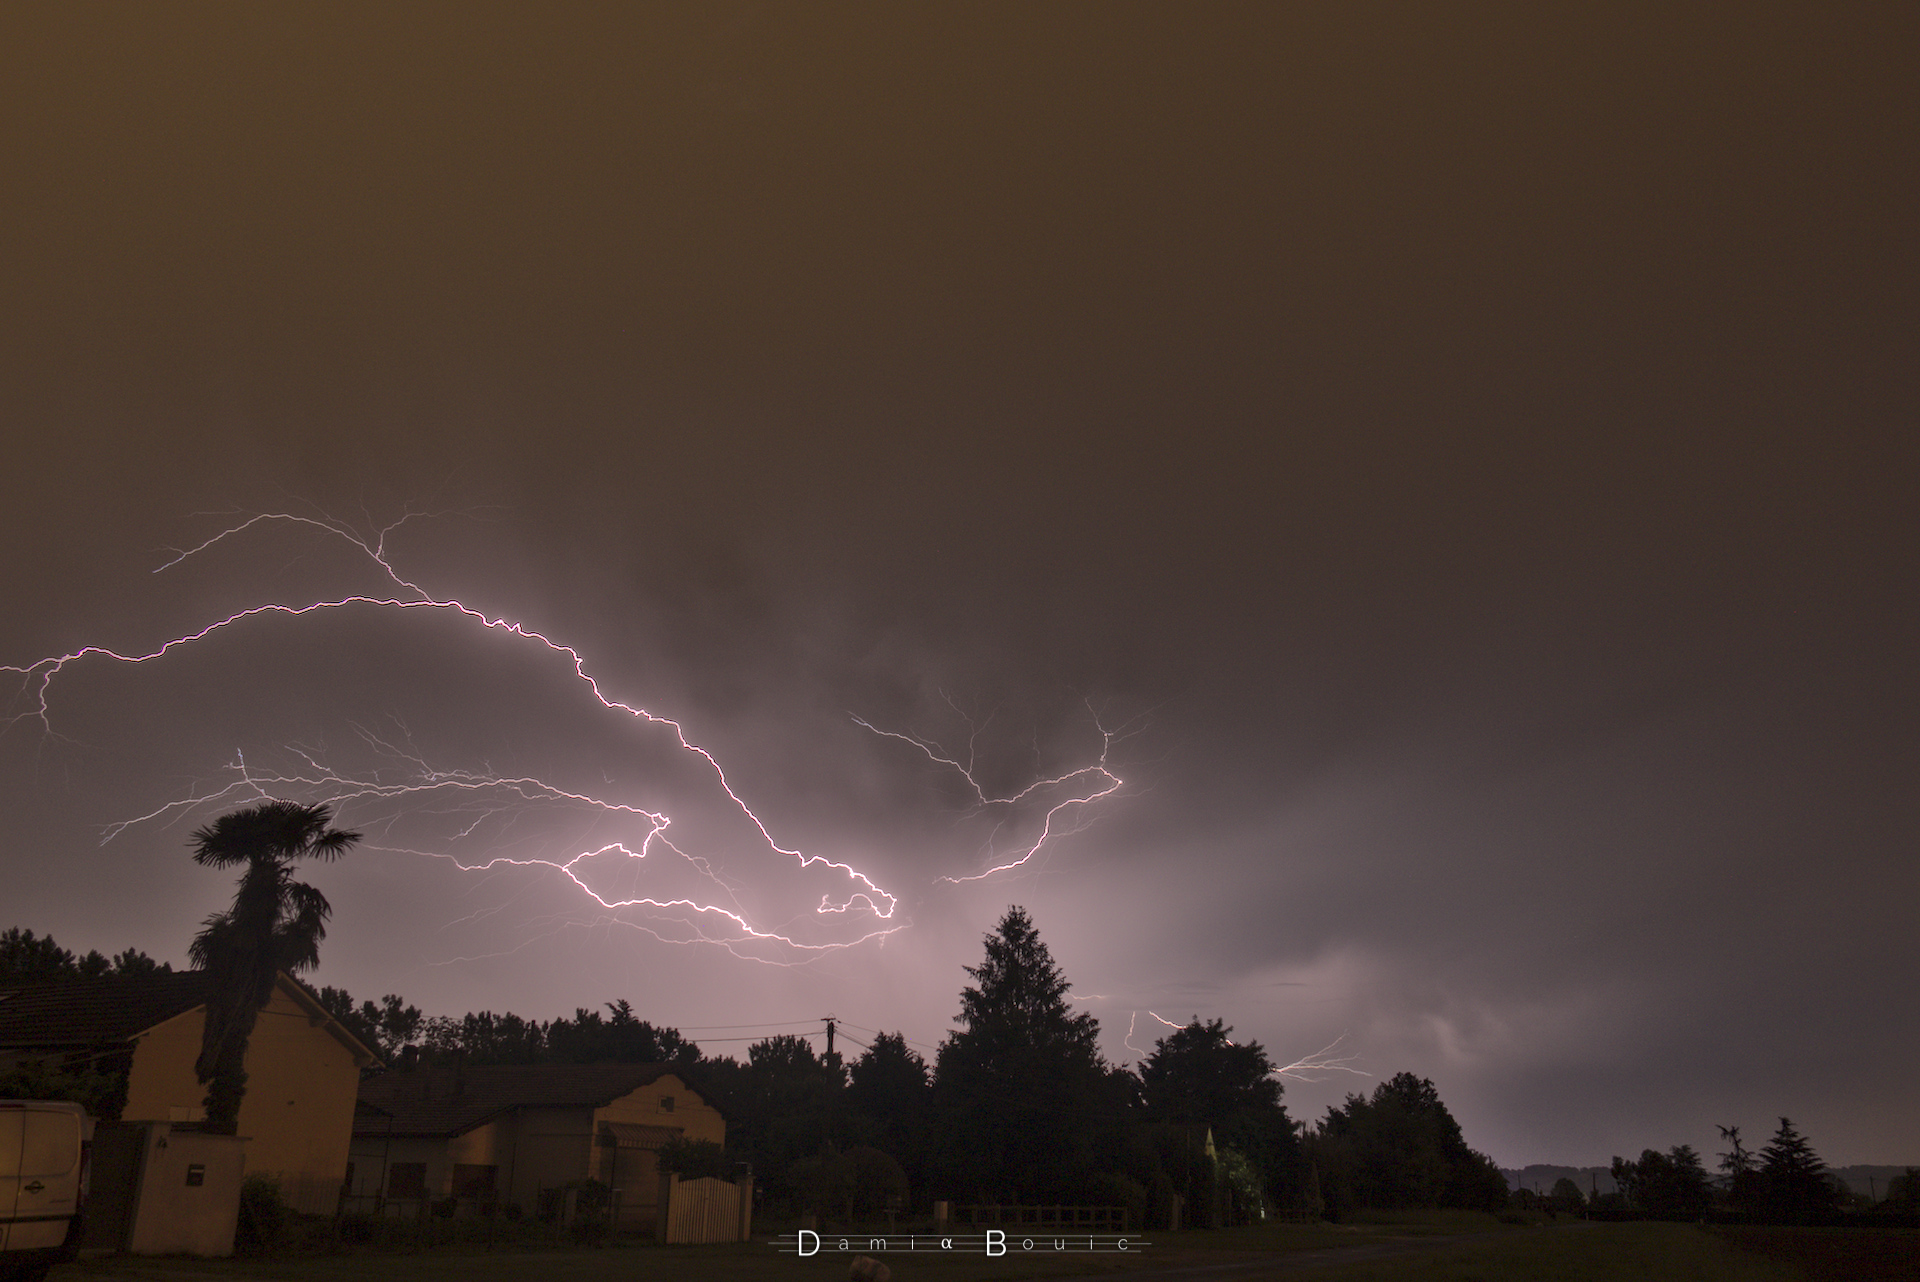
[(1871, 1180), (1857, 1177)]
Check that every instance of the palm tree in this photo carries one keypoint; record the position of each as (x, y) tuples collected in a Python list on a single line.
[(275, 924)]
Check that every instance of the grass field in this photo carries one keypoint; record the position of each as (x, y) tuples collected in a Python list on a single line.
[(1435, 1247)]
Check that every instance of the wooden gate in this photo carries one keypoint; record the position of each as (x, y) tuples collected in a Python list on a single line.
[(707, 1210)]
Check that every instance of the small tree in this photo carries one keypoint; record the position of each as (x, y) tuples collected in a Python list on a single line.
[(1566, 1198), (1739, 1174)]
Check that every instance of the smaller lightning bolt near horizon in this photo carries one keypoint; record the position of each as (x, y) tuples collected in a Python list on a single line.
[(1311, 1069)]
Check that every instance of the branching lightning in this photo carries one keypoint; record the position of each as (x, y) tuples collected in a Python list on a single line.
[(411, 781), (1322, 1062), (1312, 1069), (1063, 814)]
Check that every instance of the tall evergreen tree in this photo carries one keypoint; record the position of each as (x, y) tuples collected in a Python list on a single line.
[(1021, 1087), (1793, 1179)]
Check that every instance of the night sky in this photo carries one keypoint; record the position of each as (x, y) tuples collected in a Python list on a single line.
[(1456, 462)]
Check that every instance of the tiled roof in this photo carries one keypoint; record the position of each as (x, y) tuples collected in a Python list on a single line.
[(95, 1012), (448, 1099), (112, 1012)]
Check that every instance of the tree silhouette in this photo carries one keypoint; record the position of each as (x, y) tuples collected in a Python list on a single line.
[(1021, 1088), (1402, 1148), (1198, 1076), (889, 1095), (620, 1037), (1665, 1186), (275, 924), (23, 956), (1793, 1179)]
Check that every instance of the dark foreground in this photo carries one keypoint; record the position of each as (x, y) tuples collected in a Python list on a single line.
[(1453, 1249)]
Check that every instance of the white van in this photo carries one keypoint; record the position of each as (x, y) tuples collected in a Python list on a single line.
[(43, 1184)]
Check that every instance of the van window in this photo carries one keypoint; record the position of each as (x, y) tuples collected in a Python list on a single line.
[(51, 1145)]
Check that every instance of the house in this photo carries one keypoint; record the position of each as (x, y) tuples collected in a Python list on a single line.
[(507, 1133), (303, 1067)]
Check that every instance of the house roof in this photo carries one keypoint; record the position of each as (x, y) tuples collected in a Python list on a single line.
[(449, 1099), (94, 1012), (110, 1012)]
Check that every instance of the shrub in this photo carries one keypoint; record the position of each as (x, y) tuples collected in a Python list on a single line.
[(263, 1216)]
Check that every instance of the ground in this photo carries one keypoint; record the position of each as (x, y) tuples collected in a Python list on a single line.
[(1434, 1248)]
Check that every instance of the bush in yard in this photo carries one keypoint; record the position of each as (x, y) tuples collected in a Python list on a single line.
[(263, 1216)]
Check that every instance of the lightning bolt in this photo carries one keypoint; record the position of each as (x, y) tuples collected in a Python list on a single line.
[(1312, 1069), (1084, 787), (1322, 1061), (412, 782)]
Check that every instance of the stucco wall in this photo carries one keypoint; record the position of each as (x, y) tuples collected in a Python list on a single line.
[(695, 1119), (553, 1146), (634, 1171), (297, 1114), (173, 1216)]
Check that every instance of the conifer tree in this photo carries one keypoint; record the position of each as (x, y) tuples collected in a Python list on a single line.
[(1021, 1088), (1794, 1179)]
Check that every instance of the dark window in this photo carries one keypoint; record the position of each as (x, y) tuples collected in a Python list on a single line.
[(473, 1181), (407, 1179), (196, 1175), (666, 1103)]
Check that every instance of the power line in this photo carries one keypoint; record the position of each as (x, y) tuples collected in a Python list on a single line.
[(877, 1032)]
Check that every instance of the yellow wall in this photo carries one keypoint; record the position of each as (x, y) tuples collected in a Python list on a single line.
[(695, 1119), (553, 1146), (634, 1171), (297, 1114)]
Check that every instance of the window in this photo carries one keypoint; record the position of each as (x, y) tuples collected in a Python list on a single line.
[(473, 1181), (407, 1179), (666, 1103), (51, 1145)]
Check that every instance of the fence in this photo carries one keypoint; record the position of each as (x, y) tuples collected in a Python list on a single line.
[(1084, 1219)]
